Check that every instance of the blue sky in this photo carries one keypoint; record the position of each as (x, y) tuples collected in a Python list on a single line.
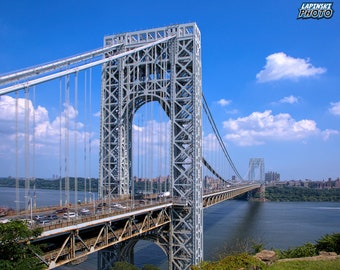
[(272, 82)]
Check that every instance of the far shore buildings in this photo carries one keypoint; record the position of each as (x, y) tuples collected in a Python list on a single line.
[(271, 177), (325, 184)]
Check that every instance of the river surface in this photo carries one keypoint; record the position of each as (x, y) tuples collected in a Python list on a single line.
[(229, 225)]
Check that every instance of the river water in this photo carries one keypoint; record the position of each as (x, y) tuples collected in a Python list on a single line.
[(229, 225)]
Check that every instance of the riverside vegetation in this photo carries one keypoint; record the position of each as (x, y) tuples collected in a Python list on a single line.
[(300, 194), (329, 243), (17, 253)]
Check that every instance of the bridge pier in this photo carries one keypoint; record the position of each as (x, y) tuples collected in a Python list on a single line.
[(257, 194), (123, 251), (108, 256), (263, 193)]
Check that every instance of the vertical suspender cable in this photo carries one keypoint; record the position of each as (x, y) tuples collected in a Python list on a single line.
[(150, 136), (138, 149), (143, 152), (17, 194), (131, 117), (75, 140), (34, 156), (85, 137), (67, 126), (146, 137), (90, 131), (215, 158), (27, 149), (60, 141), (146, 152), (138, 152), (167, 151), (151, 146), (160, 132)]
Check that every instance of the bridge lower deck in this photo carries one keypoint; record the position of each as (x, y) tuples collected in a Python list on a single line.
[(70, 240)]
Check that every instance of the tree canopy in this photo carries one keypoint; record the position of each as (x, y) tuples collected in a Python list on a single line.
[(16, 252)]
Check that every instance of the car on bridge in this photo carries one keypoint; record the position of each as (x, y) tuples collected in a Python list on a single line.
[(52, 217), (44, 221), (69, 215), (84, 212), (118, 205), (62, 210), (38, 217)]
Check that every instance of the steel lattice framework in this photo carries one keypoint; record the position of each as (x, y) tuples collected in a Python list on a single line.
[(253, 164), (168, 72)]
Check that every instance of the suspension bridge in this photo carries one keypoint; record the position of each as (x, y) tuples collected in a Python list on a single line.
[(155, 127)]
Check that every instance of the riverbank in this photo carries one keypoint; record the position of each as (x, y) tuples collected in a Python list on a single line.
[(310, 265), (321, 262), (323, 254), (302, 194)]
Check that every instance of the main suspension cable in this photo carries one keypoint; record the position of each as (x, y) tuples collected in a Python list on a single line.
[(224, 149)]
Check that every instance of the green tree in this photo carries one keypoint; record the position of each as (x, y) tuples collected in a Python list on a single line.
[(329, 242), (123, 266), (306, 250), (15, 250), (239, 261), (149, 267)]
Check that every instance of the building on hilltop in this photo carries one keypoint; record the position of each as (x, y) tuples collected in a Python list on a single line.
[(271, 177)]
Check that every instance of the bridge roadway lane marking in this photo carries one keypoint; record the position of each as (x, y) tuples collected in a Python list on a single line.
[(102, 220)]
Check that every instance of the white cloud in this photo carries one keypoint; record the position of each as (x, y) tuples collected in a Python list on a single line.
[(335, 109), (152, 137), (291, 100), (46, 132), (328, 132), (151, 147), (281, 66), (234, 111), (223, 102), (259, 127), (210, 143)]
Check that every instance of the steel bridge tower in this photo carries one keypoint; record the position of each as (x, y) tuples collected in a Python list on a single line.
[(168, 72), (253, 164)]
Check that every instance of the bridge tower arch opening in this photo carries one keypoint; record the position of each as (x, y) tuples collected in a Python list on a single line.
[(150, 150), (167, 69)]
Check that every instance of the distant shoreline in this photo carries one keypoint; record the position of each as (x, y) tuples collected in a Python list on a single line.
[(273, 193), (301, 194), (53, 184)]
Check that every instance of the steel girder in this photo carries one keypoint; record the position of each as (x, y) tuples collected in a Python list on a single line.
[(170, 73), (74, 242), (217, 197)]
